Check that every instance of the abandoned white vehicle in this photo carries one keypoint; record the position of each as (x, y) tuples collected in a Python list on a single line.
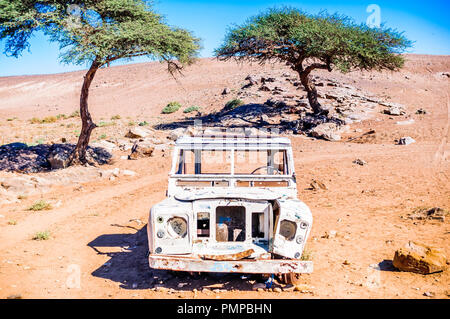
[(231, 206)]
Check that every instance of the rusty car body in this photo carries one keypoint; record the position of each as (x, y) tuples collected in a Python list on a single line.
[(231, 206)]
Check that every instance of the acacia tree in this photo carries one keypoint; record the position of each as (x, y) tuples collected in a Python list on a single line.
[(96, 32), (307, 42)]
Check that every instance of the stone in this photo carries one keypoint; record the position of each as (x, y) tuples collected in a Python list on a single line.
[(277, 289), (330, 234), (406, 140), (359, 162), (143, 149), (127, 172), (251, 80), (303, 288), (105, 144), (265, 118), (327, 131), (258, 286), (226, 91), (394, 109), (419, 258), (59, 158), (176, 133), (407, 122), (316, 185), (421, 111), (137, 132)]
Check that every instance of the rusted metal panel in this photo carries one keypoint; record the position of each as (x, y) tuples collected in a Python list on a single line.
[(272, 266), (237, 256)]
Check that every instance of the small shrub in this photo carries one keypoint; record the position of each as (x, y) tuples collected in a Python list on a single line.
[(12, 222), (75, 114), (11, 119), (145, 123), (35, 120), (40, 205), (102, 124), (307, 255), (102, 137), (49, 119), (116, 117), (171, 108), (131, 123), (231, 105), (192, 108), (40, 141), (61, 116), (44, 235)]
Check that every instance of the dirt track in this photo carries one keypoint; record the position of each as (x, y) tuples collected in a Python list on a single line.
[(97, 226)]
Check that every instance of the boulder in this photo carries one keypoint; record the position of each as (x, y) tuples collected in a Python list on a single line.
[(138, 132), (176, 133), (59, 157), (141, 150), (419, 258), (328, 131), (406, 140)]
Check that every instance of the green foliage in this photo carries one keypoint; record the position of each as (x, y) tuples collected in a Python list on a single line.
[(171, 108), (145, 123), (192, 108), (48, 119), (231, 105), (102, 137), (44, 235), (306, 42), (40, 205), (101, 30), (75, 114)]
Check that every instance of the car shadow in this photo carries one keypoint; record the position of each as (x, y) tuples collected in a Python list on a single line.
[(128, 265)]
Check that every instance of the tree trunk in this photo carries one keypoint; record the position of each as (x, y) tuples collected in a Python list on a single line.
[(79, 153), (311, 93)]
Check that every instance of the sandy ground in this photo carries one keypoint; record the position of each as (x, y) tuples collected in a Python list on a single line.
[(98, 234)]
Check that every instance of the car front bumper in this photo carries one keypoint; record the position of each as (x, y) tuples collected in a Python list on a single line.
[(256, 266)]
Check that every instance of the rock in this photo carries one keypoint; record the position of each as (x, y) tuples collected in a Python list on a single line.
[(421, 111), (419, 258), (277, 289), (142, 149), (316, 185), (406, 140), (394, 109), (116, 172), (264, 88), (59, 158), (264, 118), (408, 122), (330, 234), (303, 288), (251, 80), (138, 132), (435, 213), (428, 294), (258, 285), (328, 131), (105, 144), (226, 91), (359, 162), (176, 133), (128, 173)]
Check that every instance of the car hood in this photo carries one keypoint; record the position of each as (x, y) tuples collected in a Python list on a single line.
[(255, 193)]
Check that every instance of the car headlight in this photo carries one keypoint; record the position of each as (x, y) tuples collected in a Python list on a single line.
[(177, 227)]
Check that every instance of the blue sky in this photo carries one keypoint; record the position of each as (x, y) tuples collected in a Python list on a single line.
[(425, 22)]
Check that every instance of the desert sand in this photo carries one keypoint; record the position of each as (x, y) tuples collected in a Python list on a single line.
[(97, 245)]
